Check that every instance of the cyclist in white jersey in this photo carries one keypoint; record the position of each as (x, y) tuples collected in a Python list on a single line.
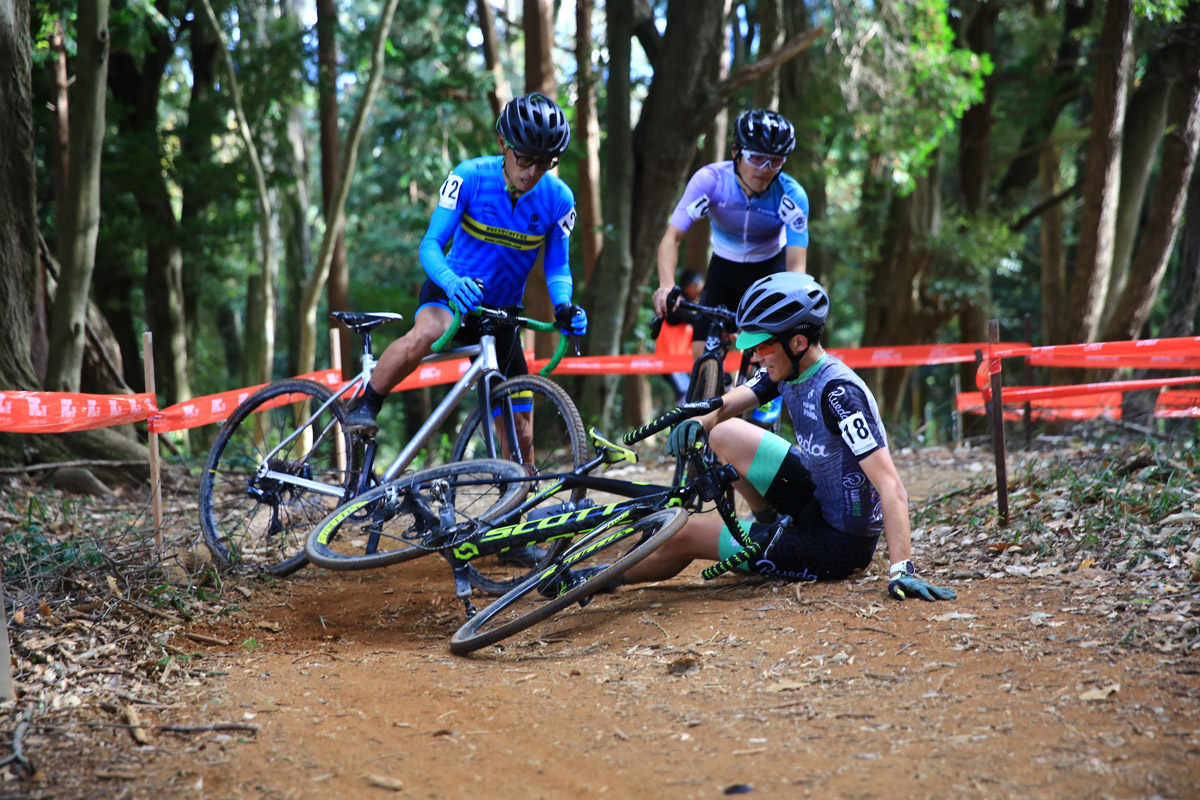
[(758, 218), (820, 504)]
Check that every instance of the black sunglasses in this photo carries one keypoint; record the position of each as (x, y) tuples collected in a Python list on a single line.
[(525, 162)]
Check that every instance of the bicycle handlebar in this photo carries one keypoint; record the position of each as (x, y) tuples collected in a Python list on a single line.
[(720, 314), (516, 320), (677, 414)]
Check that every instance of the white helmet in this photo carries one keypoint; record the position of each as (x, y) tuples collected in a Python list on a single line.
[(779, 304)]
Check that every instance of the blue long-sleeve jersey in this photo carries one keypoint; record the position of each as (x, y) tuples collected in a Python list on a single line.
[(496, 240)]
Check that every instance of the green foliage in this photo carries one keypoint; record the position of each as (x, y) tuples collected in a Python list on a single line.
[(904, 80), (1164, 10), (35, 551)]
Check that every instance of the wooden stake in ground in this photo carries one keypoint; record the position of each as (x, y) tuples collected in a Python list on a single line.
[(997, 411), (6, 679), (152, 443)]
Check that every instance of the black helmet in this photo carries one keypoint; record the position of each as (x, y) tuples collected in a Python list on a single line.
[(764, 131), (534, 125), (779, 304)]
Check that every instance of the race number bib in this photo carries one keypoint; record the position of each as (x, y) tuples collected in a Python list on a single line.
[(567, 223), (448, 196), (698, 208), (857, 434), (792, 215)]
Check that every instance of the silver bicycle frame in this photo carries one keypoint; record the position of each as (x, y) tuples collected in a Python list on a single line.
[(483, 357)]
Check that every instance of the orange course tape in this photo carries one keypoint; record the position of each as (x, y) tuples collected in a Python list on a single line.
[(217, 407), (60, 412)]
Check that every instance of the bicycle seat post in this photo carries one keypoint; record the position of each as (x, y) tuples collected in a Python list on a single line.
[(368, 359)]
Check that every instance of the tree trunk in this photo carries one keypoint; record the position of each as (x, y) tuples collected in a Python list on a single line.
[(604, 295), (196, 149), (1101, 183), (260, 328), (136, 86), (539, 77), (1065, 81), (1170, 195), (499, 92), (19, 254), (338, 290), (1054, 263), (1185, 292), (770, 37), (336, 214), (587, 128), (294, 173), (62, 134), (975, 129), (1147, 105), (807, 163), (682, 99), (82, 220), (18, 211), (896, 312)]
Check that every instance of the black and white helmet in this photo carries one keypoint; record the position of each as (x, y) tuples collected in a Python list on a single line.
[(534, 125), (779, 304), (764, 131)]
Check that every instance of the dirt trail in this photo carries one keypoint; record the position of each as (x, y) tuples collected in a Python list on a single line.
[(682, 689)]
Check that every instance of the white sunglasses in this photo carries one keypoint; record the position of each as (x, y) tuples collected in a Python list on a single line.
[(763, 160)]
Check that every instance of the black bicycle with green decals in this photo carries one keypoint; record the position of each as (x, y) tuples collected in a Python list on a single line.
[(481, 509)]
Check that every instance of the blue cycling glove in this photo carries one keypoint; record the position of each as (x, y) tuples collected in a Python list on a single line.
[(465, 293), (907, 586), (684, 437), (571, 319)]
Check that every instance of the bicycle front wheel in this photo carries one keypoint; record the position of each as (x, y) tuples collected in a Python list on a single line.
[(403, 519), (553, 442), (708, 379), (609, 551), (251, 519)]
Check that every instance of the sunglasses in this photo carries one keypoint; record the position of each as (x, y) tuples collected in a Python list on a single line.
[(763, 161), (525, 162), (765, 348)]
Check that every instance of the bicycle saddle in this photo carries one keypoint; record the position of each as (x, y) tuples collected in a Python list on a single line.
[(361, 322)]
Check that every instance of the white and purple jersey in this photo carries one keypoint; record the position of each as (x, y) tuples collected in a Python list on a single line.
[(744, 228)]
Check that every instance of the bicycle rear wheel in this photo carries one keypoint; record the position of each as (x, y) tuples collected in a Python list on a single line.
[(402, 520), (616, 546), (559, 444), (262, 522)]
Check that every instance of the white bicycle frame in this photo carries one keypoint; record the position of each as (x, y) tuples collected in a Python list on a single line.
[(483, 360)]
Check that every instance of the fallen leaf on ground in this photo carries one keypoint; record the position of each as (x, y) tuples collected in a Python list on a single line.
[(1104, 693)]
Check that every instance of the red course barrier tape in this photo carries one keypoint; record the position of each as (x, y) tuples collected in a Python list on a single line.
[(59, 412), (1171, 403), (48, 412), (1106, 404), (217, 407)]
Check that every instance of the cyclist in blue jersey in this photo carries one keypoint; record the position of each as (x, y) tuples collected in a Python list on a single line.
[(497, 213), (758, 217), (820, 504)]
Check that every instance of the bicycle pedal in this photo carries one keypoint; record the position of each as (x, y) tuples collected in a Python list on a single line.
[(583, 601)]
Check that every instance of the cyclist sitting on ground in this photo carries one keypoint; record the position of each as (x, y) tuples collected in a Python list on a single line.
[(758, 216), (837, 485), (499, 211)]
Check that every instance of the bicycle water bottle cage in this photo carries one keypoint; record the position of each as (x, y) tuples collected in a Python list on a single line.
[(612, 452)]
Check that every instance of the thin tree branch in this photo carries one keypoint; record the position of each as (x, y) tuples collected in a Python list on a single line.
[(1041, 207), (753, 71)]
